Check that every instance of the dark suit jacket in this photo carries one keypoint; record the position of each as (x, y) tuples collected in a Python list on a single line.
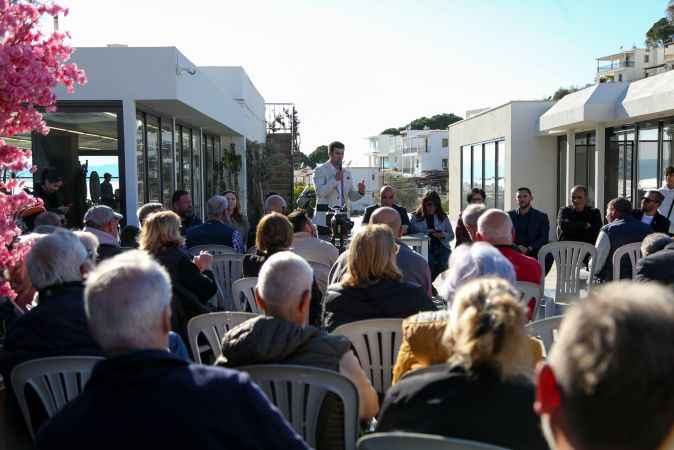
[(404, 218), (660, 223), (539, 230)]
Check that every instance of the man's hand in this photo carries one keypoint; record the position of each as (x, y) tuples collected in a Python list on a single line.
[(338, 175), (204, 261), (361, 187)]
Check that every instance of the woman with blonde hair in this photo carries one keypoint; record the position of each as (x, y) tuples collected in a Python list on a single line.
[(485, 392), (372, 287)]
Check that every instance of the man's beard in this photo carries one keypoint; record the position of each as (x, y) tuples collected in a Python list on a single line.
[(547, 431)]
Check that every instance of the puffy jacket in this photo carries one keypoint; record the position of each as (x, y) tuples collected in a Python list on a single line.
[(385, 299)]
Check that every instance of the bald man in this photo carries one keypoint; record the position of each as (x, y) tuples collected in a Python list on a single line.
[(496, 228), (387, 197), (413, 266)]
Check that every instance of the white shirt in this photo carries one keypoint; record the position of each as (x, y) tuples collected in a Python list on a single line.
[(329, 190), (666, 206), (647, 219)]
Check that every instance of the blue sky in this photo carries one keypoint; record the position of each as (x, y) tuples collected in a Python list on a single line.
[(355, 68)]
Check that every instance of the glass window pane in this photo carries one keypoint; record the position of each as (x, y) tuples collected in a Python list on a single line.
[(177, 141), (477, 166), (590, 173), (140, 158), (648, 159), (167, 171), (580, 174), (500, 169), (152, 148), (561, 168), (217, 164), (667, 151), (24, 142), (196, 171), (490, 173), (187, 159), (465, 173), (629, 168)]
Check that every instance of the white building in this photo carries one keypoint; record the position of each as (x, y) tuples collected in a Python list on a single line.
[(303, 175), (372, 185), (155, 121), (385, 151), (423, 151), (635, 64)]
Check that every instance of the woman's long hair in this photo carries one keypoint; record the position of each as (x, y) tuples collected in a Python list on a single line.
[(274, 233), (486, 328), (160, 230), (431, 196), (236, 213), (371, 257)]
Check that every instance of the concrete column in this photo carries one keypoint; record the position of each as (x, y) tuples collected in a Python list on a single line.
[(599, 167), (130, 167), (570, 164), (240, 145)]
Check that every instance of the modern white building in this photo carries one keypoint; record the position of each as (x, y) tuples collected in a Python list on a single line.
[(372, 185), (385, 151), (635, 64), (156, 122), (424, 151)]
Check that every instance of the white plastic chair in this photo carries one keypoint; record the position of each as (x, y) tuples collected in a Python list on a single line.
[(227, 268), (298, 392), (633, 252), (56, 381), (243, 295), (214, 250), (545, 330), (212, 327), (376, 342), (418, 242), (527, 292), (418, 441), (569, 260)]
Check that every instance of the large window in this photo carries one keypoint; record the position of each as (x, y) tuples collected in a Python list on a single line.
[(619, 170), (186, 170), (140, 157), (152, 149), (561, 171), (648, 158), (585, 162), (196, 171), (483, 166), (667, 150), (167, 170)]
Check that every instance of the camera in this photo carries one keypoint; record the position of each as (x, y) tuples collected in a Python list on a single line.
[(340, 226)]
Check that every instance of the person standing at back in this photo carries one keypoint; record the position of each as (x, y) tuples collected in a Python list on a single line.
[(667, 206), (579, 222), (182, 205), (107, 192), (649, 214)]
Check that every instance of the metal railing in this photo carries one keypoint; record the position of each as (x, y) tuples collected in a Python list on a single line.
[(615, 65)]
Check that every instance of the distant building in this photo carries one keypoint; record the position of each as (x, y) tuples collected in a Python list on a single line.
[(303, 176), (372, 185), (635, 64), (424, 151), (385, 151)]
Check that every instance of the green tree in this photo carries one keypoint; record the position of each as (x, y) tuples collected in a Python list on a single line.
[(436, 122), (318, 156), (301, 160), (391, 131), (661, 30)]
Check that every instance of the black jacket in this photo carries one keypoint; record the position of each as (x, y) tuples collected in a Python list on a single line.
[(538, 230), (151, 399), (660, 223), (477, 406), (572, 225), (385, 299), (657, 267), (404, 218), (184, 272)]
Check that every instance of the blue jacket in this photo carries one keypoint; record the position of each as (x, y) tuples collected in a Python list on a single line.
[(621, 232), (538, 229), (214, 232), (150, 399)]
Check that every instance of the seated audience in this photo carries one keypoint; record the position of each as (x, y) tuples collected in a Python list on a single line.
[(475, 197), (470, 216), (275, 203), (317, 252), (387, 197), (90, 243), (413, 266), (161, 238), (18, 275), (648, 214), (215, 231), (142, 388), (579, 222), (182, 205), (147, 209), (430, 219), (57, 326), (372, 287), (607, 383), (532, 227), (622, 229), (654, 242), (496, 228), (128, 237), (485, 392), (234, 216), (103, 222), (658, 261), (283, 336)]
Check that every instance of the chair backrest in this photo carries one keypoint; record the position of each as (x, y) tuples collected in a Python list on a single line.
[(212, 327), (227, 268), (633, 252), (376, 343), (243, 295), (569, 258), (418, 242), (545, 330), (529, 291), (56, 381), (418, 441), (214, 250), (298, 392)]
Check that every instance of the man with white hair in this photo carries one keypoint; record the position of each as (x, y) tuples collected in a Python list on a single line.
[(495, 227), (275, 203), (470, 216), (215, 231), (283, 336), (141, 396), (56, 266), (103, 222), (607, 383), (414, 267)]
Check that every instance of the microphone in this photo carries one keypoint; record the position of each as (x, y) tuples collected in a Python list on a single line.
[(339, 165)]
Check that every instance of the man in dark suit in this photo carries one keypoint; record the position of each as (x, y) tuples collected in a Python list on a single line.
[(215, 231), (387, 197), (579, 222), (649, 214), (532, 227)]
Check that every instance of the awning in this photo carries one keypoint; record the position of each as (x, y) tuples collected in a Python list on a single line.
[(652, 95)]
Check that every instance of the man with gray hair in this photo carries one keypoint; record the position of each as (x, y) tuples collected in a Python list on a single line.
[(275, 203), (215, 231), (103, 222), (607, 383), (147, 209), (283, 336), (495, 227), (470, 216), (414, 267), (141, 396), (57, 264)]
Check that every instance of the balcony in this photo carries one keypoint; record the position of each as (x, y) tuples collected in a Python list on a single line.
[(614, 65)]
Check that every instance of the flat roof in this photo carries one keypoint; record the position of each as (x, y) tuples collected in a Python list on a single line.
[(489, 110)]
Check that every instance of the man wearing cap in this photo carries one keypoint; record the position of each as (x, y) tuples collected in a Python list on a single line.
[(103, 222), (49, 190)]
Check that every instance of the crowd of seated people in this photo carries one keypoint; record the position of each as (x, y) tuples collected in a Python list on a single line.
[(86, 293)]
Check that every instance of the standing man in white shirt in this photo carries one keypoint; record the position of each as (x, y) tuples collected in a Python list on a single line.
[(333, 183), (667, 205)]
